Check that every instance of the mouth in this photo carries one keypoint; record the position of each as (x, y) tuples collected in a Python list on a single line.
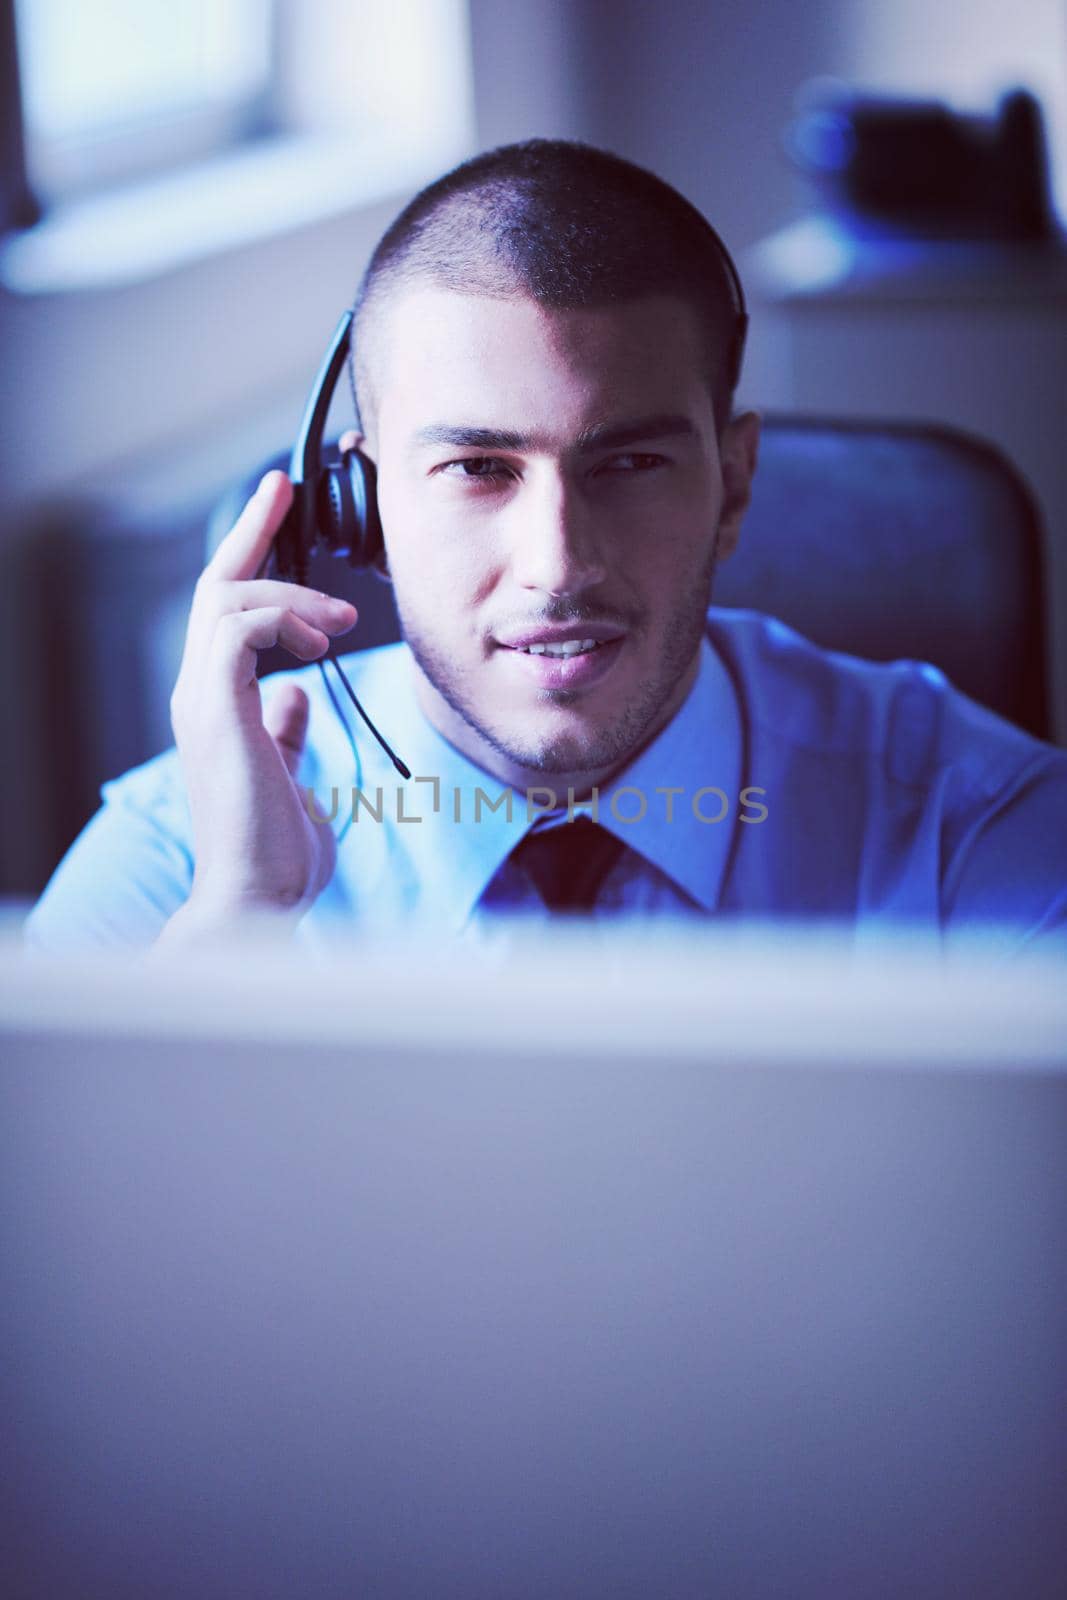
[(566, 659)]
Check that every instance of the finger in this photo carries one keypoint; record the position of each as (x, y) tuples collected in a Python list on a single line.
[(216, 599), (248, 542), (285, 718), (323, 611), (350, 440), (239, 635)]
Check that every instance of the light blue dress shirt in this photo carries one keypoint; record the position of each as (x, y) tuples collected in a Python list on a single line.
[(792, 783)]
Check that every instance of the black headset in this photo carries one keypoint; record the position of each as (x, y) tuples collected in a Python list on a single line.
[(335, 504)]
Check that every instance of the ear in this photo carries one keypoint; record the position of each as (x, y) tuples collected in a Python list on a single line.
[(738, 452)]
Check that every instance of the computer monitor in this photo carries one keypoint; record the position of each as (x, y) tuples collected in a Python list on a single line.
[(720, 1269)]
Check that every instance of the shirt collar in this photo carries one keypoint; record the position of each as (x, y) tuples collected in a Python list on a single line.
[(461, 843), (698, 753)]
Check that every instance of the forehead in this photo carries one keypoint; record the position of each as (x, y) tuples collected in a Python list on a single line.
[(444, 357)]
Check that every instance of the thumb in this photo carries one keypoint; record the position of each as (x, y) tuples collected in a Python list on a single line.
[(286, 720)]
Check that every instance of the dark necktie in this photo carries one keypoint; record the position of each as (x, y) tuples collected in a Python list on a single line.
[(567, 864)]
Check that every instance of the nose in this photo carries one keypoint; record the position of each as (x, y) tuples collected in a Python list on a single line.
[(556, 542)]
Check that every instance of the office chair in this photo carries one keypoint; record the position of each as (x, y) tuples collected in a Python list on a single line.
[(885, 540)]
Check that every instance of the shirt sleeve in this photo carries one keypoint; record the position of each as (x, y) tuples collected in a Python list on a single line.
[(127, 872), (1006, 870)]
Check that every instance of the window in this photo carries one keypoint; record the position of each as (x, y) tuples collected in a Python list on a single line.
[(158, 132), (114, 89)]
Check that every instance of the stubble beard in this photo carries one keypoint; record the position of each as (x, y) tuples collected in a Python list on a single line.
[(582, 751)]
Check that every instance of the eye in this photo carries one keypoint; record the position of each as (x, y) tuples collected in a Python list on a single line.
[(635, 461), (482, 469)]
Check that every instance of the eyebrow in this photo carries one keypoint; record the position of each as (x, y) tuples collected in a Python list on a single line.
[(662, 425)]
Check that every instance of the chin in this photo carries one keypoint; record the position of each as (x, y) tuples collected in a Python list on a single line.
[(556, 754)]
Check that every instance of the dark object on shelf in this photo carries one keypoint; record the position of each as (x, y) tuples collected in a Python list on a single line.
[(914, 167)]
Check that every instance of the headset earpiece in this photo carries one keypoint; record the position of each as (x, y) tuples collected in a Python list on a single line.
[(346, 507), (362, 478), (335, 503)]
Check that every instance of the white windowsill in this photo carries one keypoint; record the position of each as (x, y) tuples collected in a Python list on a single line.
[(145, 231)]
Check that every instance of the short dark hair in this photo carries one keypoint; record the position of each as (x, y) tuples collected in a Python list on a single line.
[(571, 226)]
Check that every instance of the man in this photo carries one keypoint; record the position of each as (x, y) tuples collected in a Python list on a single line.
[(546, 345)]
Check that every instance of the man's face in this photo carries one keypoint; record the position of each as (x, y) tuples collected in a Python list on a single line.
[(546, 478)]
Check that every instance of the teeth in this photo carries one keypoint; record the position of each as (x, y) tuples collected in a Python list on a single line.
[(569, 647)]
